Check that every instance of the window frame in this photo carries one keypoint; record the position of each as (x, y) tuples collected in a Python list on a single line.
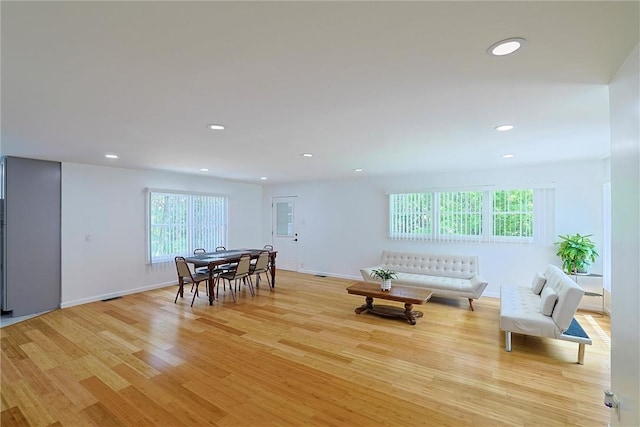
[(487, 219), (190, 218)]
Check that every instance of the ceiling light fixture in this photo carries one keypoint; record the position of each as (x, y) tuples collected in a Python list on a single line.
[(508, 156), (357, 170), (204, 170), (215, 127), (503, 128), (111, 156), (264, 178), (506, 47), (307, 155)]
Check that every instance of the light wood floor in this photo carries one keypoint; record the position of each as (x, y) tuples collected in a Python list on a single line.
[(296, 356)]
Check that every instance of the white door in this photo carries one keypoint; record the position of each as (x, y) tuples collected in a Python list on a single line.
[(284, 232)]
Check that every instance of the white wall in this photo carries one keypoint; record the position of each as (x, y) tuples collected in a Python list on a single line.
[(343, 224), (625, 239), (108, 204)]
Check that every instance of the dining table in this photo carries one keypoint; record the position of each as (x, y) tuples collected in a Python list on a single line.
[(211, 260)]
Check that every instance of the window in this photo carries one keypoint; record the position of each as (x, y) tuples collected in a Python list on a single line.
[(460, 213), (513, 213), (486, 216), (180, 222)]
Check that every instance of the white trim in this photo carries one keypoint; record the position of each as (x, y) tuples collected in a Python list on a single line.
[(102, 297)]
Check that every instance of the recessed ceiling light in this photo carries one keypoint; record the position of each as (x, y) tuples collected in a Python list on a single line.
[(111, 156), (357, 170), (502, 128), (508, 156), (307, 155), (204, 170), (506, 47), (264, 178), (215, 127)]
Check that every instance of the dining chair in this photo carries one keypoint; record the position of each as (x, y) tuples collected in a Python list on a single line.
[(186, 276), (220, 248), (201, 251), (239, 273), (260, 267)]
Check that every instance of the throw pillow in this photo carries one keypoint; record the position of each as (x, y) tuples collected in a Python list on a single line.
[(548, 299), (538, 283)]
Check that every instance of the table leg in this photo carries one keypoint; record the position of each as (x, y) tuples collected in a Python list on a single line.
[(368, 305), (210, 285), (272, 261), (410, 314)]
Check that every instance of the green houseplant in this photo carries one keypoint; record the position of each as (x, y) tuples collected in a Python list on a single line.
[(385, 276), (577, 253)]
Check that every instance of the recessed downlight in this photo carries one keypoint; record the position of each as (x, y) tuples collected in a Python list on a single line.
[(506, 47), (111, 156), (264, 178), (508, 156), (307, 155), (503, 128), (204, 170), (215, 126), (358, 170)]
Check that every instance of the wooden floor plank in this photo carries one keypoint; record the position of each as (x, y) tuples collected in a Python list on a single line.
[(297, 355)]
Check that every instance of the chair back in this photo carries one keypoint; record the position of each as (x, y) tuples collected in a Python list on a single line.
[(268, 247), (243, 265), (182, 267), (263, 261), (199, 251), (220, 249)]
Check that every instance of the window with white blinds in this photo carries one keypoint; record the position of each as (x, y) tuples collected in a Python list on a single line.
[(521, 215), (178, 223)]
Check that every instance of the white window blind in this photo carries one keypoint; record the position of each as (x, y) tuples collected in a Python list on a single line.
[(178, 223), (521, 215)]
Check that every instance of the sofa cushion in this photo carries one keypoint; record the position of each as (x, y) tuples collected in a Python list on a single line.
[(538, 283), (520, 313), (548, 299), (455, 266)]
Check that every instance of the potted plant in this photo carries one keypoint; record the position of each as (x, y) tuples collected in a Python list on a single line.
[(577, 253), (384, 275)]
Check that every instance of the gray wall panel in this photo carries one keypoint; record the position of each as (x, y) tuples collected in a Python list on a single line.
[(33, 219)]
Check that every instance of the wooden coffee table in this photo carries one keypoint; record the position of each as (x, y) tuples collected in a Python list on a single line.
[(405, 294)]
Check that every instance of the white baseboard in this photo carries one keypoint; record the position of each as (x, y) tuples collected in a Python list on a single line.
[(115, 294), (321, 273)]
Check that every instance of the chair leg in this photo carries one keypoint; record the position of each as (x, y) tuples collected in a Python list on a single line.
[(180, 291), (266, 273), (195, 293), (233, 292), (244, 279)]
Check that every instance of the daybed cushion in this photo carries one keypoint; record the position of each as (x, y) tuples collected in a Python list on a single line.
[(548, 299), (538, 283)]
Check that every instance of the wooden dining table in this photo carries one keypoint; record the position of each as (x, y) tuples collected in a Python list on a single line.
[(211, 260)]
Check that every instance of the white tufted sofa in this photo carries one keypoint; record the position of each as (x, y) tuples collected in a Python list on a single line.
[(444, 275)]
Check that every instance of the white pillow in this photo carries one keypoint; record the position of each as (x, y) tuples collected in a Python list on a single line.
[(538, 283), (548, 299)]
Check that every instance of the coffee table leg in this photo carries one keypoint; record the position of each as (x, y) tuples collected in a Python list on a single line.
[(410, 314), (368, 305)]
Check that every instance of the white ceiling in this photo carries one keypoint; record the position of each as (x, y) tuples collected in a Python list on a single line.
[(390, 87)]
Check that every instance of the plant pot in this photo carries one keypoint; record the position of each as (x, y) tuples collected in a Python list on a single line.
[(386, 285)]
